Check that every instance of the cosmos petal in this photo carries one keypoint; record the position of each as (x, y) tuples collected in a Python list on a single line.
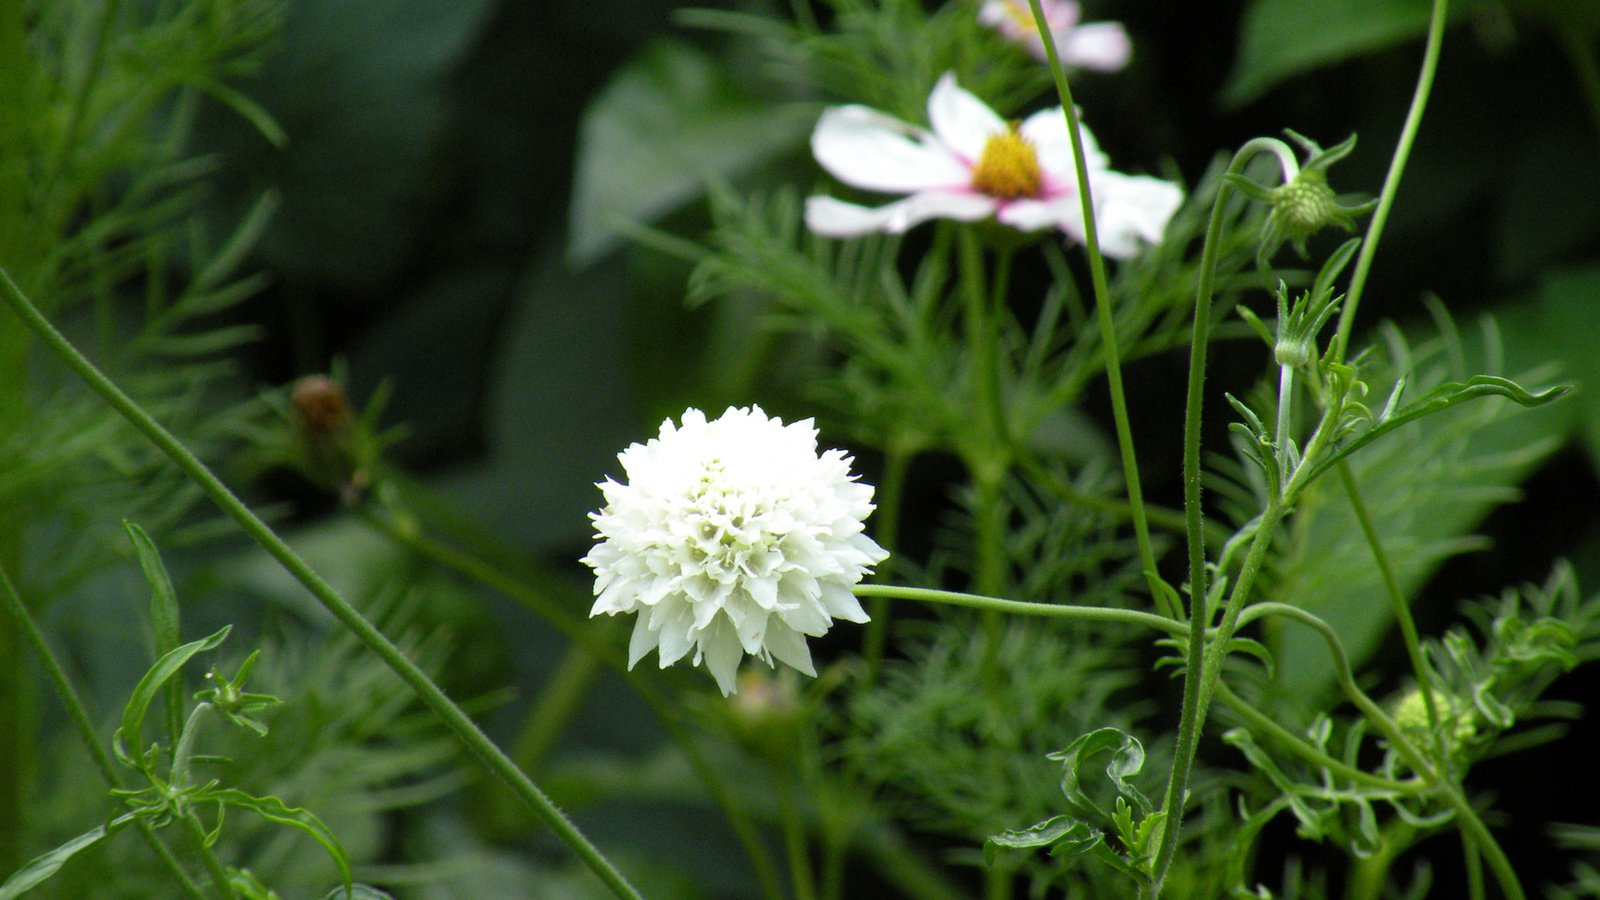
[(962, 121), (867, 149), (1100, 46), (835, 218)]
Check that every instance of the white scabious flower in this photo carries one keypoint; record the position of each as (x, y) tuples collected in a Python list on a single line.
[(732, 537), (974, 165)]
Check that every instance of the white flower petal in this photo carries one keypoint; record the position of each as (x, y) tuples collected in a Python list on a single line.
[(835, 218), (789, 647), (841, 603), (722, 653), (963, 122), (867, 149), (1101, 46), (1063, 212), (1131, 210), (1047, 131), (643, 641)]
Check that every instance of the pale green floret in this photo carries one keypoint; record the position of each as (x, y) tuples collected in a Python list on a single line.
[(1411, 714)]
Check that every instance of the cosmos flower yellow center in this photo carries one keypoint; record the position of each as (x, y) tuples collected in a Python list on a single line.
[(1008, 168)]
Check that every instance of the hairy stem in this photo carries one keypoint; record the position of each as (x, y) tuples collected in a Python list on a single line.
[(1391, 182), (477, 743), (1397, 598), (1192, 717), (1022, 608)]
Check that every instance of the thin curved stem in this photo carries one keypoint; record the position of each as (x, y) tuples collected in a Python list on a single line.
[(465, 730), (78, 715), (1305, 750), (1391, 182), (1108, 327), (1402, 609), (1022, 608)]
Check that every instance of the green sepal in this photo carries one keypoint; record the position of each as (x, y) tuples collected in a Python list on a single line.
[(139, 703)]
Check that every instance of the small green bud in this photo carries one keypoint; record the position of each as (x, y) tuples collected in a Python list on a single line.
[(1307, 205), (1411, 714)]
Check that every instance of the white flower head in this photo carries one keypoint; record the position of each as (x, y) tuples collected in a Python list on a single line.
[(731, 537), (974, 165), (1100, 46)]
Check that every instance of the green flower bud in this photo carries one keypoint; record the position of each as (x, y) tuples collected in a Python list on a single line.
[(1307, 205)]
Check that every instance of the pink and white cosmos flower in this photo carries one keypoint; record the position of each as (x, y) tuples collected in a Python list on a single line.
[(974, 165), (1100, 46)]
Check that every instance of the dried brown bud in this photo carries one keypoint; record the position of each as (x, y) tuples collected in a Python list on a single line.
[(319, 405)]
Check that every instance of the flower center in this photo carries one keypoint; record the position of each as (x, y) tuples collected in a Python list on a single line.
[(1008, 167)]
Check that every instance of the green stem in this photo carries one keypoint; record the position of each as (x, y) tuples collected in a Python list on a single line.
[(78, 715), (1198, 688), (1108, 327), (1304, 749), (484, 750), (1474, 864), (1161, 517), (1391, 182), (1397, 598), (1192, 717), (1021, 608), (794, 840), (886, 519), (560, 698), (195, 833)]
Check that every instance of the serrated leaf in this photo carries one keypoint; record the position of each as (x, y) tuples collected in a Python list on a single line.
[(669, 119)]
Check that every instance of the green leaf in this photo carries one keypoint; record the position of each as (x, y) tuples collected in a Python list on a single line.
[(1073, 835), (666, 122), (274, 810), (163, 618), (42, 867), (1282, 38), (1127, 759), (128, 735), (1440, 398)]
